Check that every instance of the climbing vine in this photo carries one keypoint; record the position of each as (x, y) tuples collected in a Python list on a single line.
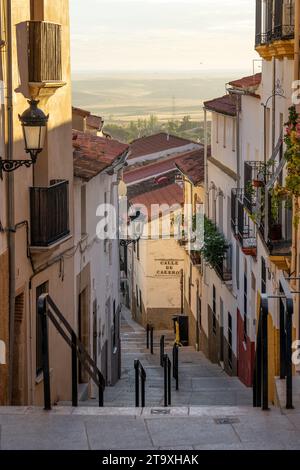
[(291, 188)]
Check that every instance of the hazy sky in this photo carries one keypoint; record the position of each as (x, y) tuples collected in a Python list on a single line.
[(162, 34)]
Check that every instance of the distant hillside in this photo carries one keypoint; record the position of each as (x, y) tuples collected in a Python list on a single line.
[(127, 97)]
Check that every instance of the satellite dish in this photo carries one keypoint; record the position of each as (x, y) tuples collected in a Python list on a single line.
[(122, 189)]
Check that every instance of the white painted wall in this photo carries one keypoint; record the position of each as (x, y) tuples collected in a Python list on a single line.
[(103, 255)]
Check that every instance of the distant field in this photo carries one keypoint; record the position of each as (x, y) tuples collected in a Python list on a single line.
[(121, 98)]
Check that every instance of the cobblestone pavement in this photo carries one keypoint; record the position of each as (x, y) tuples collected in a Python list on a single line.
[(200, 381)]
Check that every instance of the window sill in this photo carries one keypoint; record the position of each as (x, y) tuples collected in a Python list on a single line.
[(45, 88)]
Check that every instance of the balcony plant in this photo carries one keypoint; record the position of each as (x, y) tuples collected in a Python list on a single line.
[(290, 191), (215, 245)]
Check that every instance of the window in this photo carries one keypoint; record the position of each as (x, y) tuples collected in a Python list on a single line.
[(42, 289), (229, 340), (214, 310), (83, 211), (224, 133), (138, 250), (137, 296), (217, 128), (220, 224), (114, 325), (233, 134), (263, 276), (237, 265), (245, 305), (190, 283)]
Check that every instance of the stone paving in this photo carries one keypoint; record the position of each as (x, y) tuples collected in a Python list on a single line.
[(210, 412), (183, 428), (200, 381)]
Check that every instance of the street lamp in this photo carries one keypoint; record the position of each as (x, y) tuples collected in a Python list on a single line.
[(34, 124)]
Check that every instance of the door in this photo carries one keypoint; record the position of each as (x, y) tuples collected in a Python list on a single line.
[(95, 332), (19, 354), (83, 330)]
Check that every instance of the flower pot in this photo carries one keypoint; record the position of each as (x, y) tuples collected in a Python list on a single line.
[(249, 251), (258, 183), (275, 232)]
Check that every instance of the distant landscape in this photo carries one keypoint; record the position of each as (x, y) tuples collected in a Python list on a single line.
[(137, 104)]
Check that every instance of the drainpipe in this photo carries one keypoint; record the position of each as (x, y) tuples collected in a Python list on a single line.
[(295, 264), (10, 194), (206, 164), (238, 94)]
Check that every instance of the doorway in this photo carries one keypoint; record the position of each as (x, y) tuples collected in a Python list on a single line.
[(83, 330), (19, 354)]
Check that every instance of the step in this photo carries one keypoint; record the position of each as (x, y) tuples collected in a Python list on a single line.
[(281, 392)]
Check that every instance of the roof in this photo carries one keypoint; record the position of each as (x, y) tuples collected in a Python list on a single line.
[(224, 105), (192, 166), (96, 122), (251, 81), (93, 154), (80, 112), (170, 195), (151, 170), (156, 143)]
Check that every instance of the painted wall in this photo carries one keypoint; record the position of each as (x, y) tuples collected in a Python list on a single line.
[(55, 162), (102, 257)]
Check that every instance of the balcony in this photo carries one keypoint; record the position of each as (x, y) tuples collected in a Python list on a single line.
[(246, 230), (195, 257), (275, 25), (224, 270), (44, 55), (49, 214), (279, 232)]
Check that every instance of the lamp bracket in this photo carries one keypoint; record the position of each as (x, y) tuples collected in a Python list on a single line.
[(12, 165)]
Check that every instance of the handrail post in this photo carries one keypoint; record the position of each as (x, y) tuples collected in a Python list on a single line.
[(289, 366), (100, 391), (169, 381), (264, 313), (74, 371), (151, 339), (137, 384), (162, 350), (42, 311), (175, 365), (165, 381), (148, 331), (143, 380)]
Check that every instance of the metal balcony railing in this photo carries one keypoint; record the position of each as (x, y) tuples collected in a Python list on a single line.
[(49, 213)]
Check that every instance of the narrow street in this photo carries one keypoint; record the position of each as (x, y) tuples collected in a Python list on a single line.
[(200, 382)]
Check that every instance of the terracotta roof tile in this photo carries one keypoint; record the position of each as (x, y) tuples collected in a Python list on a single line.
[(96, 122), (156, 143), (93, 154), (192, 166), (224, 105), (80, 111), (250, 82), (171, 194)]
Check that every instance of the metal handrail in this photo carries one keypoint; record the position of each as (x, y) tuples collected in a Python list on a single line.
[(167, 380), (260, 379), (149, 333), (140, 376), (286, 339), (176, 365), (48, 309), (162, 349)]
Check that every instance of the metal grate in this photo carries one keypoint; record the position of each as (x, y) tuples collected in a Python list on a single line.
[(226, 420), (160, 412)]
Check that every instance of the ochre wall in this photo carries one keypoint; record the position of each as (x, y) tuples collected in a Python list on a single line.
[(4, 325)]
